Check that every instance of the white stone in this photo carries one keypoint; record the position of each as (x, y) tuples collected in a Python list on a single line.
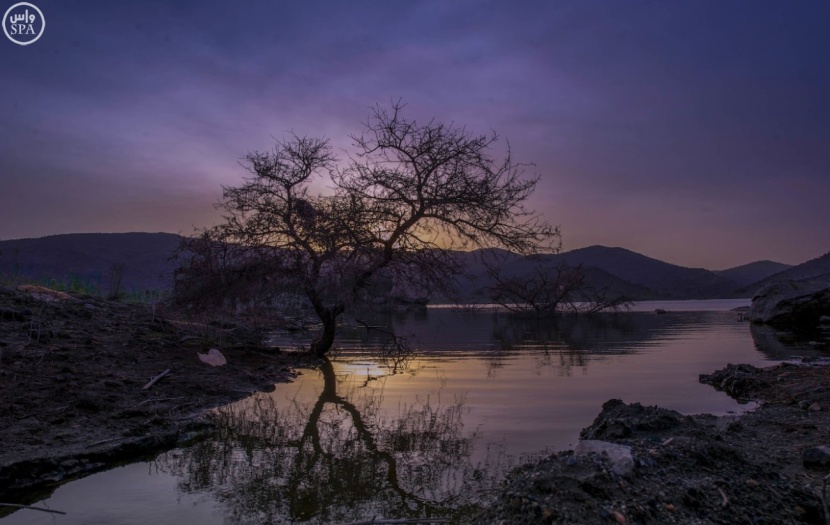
[(620, 455), (214, 358)]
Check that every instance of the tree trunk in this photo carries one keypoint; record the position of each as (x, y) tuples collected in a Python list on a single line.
[(325, 340)]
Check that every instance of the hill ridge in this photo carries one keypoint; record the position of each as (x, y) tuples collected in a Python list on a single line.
[(91, 256)]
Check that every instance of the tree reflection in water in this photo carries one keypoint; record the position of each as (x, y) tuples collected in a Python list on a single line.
[(339, 458), (564, 342)]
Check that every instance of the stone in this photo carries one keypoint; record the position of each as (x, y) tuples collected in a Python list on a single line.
[(620, 455), (741, 382), (214, 358), (815, 407), (816, 456), (620, 420), (796, 304), (41, 293)]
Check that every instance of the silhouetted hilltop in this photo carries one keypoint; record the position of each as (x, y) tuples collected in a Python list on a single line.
[(818, 267), (751, 273), (474, 287), (88, 259), (624, 272), (670, 281)]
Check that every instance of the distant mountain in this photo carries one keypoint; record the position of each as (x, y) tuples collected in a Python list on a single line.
[(619, 270), (475, 286), (752, 273), (88, 259), (91, 258), (669, 281), (818, 267)]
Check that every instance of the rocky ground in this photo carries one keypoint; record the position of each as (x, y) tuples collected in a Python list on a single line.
[(764, 467), (72, 372)]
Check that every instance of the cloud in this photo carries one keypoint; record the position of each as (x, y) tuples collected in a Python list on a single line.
[(644, 119)]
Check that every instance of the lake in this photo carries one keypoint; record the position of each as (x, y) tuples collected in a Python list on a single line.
[(431, 433)]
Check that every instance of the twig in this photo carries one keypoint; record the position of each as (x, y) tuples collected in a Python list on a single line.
[(106, 441), (153, 381), (31, 508), (824, 499), (400, 521), (725, 501), (153, 399)]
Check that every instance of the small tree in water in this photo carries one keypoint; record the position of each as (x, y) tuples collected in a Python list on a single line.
[(406, 198)]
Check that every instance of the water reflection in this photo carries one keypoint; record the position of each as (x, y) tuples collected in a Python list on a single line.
[(339, 458), (354, 440), (778, 345), (438, 330)]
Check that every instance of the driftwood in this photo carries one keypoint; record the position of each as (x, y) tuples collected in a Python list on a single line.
[(153, 381), (15, 505), (107, 441)]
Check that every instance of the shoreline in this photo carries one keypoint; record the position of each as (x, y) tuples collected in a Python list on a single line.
[(72, 374), (762, 466), (72, 403)]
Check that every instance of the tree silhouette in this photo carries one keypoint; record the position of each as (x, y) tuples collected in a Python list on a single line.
[(404, 199), (337, 459), (550, 289)]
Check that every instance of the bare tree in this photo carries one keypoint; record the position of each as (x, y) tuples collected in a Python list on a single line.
[(551, 289), (338, 458), (407, 196)]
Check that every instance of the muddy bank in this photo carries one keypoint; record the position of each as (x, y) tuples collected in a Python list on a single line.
[(72, 372), (764, 467)]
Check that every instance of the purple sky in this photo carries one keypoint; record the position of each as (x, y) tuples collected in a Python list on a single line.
[(694, 132)]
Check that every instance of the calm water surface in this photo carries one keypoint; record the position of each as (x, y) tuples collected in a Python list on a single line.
[(428, 436)]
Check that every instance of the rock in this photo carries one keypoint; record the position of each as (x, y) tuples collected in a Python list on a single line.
[(620, 455), (816, 456), (792, 304), (815, 407), (741, 382), (214, 358), (619, 420)]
